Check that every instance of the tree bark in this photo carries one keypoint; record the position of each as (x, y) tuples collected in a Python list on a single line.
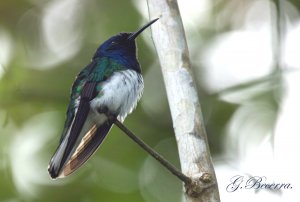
[(171, 46)]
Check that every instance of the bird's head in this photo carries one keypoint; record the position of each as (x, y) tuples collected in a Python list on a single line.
[(122, 47)]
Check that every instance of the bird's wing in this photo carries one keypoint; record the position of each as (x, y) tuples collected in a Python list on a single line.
[(81, 136)]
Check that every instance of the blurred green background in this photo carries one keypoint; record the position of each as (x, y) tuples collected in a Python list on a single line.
[(245, 61)]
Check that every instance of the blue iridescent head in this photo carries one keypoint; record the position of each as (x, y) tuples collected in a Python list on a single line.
[(122, 47)]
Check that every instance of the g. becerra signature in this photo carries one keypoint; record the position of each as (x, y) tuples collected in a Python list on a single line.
[(254, 182)]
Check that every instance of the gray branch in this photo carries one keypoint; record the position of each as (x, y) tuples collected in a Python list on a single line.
[(169, 39)]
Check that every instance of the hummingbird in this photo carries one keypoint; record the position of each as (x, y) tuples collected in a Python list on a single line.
[(110, 84)]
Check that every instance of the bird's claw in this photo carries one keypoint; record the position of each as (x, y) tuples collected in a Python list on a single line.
[(104, 110)]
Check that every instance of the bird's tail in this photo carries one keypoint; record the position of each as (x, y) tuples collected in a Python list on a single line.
[(76, 147)]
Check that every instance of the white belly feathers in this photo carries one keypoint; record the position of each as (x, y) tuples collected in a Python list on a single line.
[(120, 93)]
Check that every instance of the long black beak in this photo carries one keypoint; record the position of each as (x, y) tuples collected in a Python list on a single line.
[(135, 34)]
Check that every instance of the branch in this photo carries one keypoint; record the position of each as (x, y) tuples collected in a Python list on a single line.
[(153, 153), (169, 39)]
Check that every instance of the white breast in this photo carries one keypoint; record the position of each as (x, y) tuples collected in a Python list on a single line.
[(120, 93)]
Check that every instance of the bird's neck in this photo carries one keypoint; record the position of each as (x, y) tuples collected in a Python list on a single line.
[(128, 61)]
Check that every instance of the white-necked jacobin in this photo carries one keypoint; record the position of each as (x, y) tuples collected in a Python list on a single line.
[(112, 83)]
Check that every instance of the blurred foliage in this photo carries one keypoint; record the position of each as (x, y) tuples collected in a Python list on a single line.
[(49, 42)]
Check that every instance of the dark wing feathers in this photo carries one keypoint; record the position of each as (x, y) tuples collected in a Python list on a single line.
[(76, 91), (81, 115)]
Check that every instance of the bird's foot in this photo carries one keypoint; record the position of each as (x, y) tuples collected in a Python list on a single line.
[(104, 110)]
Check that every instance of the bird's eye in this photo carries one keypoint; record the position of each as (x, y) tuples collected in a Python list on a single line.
[(112, 45)]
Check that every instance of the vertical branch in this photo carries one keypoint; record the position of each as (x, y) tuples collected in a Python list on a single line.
[(169, 39), (278, 32)]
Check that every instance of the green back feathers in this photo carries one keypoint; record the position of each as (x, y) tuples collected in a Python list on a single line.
[(104, 68)]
